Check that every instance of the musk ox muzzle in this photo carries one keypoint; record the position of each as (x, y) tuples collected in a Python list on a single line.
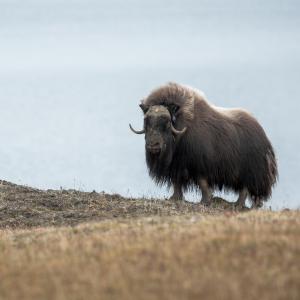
[(155, 143)]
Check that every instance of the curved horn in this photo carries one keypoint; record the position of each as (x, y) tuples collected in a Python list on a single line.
[(137, 131), (175, 131)]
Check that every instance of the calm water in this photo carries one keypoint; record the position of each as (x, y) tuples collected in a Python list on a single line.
[(73, 72)]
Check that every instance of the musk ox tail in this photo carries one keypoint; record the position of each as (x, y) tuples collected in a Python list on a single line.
[(273, 172), (263, 190)]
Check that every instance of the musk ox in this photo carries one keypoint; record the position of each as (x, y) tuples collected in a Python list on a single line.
[(192, 144)]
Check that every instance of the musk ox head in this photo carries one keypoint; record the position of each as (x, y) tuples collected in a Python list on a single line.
[(160, 134)]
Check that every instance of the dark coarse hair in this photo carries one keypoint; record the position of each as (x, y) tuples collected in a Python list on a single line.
[(227, 147)]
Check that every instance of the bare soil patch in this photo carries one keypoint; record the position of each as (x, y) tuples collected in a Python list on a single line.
[(23, 206)]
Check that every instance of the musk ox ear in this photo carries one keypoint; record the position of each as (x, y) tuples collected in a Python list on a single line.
[(144, 107)]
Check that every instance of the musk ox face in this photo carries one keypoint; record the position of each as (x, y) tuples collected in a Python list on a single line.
[(160, 134)]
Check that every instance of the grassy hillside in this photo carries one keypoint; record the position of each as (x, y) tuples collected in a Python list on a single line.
[(191, 253)]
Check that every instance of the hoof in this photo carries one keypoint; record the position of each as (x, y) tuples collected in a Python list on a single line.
[(241, 207), (176, 198), (206, 202)]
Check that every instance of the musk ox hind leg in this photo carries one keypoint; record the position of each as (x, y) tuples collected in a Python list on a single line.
[(241, 201), (178, 194), (206, 192)]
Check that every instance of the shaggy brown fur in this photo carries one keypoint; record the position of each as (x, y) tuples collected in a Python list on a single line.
[(226, 147)]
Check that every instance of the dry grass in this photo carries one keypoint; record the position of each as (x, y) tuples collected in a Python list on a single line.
[(253, 255)]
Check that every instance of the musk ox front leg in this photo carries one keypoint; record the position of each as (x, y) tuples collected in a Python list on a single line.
[(241, 201), (206, 192), (178, 194)]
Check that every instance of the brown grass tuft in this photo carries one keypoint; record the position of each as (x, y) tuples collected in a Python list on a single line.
[(184, 255)]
